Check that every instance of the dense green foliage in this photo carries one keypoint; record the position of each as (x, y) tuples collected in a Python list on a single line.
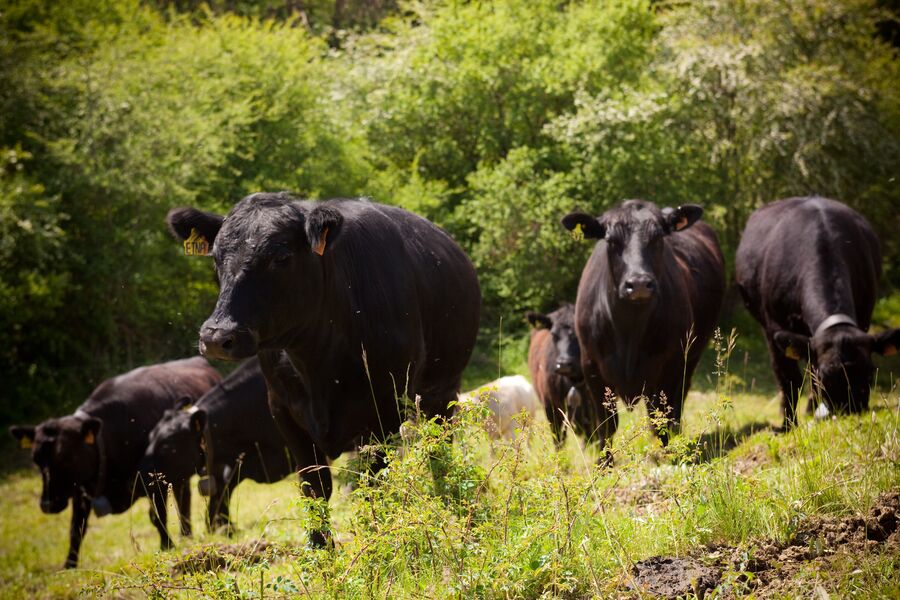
[(493, 119)]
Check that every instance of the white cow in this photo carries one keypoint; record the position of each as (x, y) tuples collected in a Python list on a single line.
[(506, 398)]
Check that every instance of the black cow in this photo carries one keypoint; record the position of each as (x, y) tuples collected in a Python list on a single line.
[(808, 270), (228, 435), (370, 302), (554, 359), (92, 455), (648, 301)]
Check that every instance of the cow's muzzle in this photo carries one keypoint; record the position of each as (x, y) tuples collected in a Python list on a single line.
[(638, 288), (227, 343)]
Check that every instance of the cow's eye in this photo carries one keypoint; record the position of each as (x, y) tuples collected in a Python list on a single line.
[(282, 259)]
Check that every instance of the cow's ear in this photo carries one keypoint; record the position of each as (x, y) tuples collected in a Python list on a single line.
[(792, 345), (24, 434), (184, 219), (538, 320), (584, 224), (322, 225), (682, 217), (198, 420), (887, 343), (90, 429)]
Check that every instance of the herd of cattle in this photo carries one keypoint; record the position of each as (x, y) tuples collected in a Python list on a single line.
[(340, 307)]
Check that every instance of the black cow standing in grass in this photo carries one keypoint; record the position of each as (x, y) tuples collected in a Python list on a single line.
[(648, 301), (554, 359), (92, 456), (808, 270), (371, 304), (228, 435)]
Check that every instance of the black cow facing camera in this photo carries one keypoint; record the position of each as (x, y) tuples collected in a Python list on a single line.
[(648, 301), (368, 302), (91, 457), (808, 270)]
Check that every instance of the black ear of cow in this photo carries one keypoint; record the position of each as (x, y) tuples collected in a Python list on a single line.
[(682, 217), (538, 320), (887, 343), (322, 224), (198, 420), (24, 434), (183, 219), (792, 345), (590, 227)]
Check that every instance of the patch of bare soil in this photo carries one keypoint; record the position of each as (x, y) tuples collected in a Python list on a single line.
[(214, 557), (767, 568), (752, 461)]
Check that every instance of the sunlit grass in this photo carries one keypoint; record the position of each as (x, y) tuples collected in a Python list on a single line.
[(507, 519)]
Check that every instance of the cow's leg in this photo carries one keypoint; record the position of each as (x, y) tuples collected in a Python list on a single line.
[(315, 475), (605, 419), (158, 515), (81, 509), (183, 501), (556, 423), (790, 379)]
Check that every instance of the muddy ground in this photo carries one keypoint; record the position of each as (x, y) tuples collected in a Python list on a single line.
[(766, 568)]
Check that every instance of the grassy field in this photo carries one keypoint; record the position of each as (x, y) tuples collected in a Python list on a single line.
[(736, 509)]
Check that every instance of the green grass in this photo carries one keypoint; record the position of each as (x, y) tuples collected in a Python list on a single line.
[(504, 519)]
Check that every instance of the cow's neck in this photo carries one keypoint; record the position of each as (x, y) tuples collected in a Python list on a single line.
[(826, 291), (628, 324)]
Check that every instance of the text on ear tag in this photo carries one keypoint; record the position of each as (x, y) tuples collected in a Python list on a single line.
[(889, 350), (320, 247), (196, 244), (89, 438), (25, 443), (791, 353), (577, 233)]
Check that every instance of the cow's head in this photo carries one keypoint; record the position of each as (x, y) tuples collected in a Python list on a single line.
[(65, 450), (841, 358), (175, 450), (561, 324), (268, 254), (633, 233)]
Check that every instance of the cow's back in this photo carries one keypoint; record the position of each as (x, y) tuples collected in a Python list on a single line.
[(798, 248)]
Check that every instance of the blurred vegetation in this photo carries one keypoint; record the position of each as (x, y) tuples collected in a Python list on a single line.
[(491, 118)]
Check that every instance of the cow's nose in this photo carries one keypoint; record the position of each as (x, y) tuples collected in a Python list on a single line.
[(565, 367), (216, 342), (639, 287)]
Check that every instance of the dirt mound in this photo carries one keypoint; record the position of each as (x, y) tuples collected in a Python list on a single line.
[(214, 557), (768, 568), (673, 577)]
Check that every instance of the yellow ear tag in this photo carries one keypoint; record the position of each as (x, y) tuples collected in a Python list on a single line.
[(791, 353), (89, 438), (196, 244), (25, 443), (889, 350), (577, 233), (320, 247)]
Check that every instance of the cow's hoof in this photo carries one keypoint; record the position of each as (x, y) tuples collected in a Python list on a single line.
[(70, 563), (166, 545), (101, 506), (606, 460)]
